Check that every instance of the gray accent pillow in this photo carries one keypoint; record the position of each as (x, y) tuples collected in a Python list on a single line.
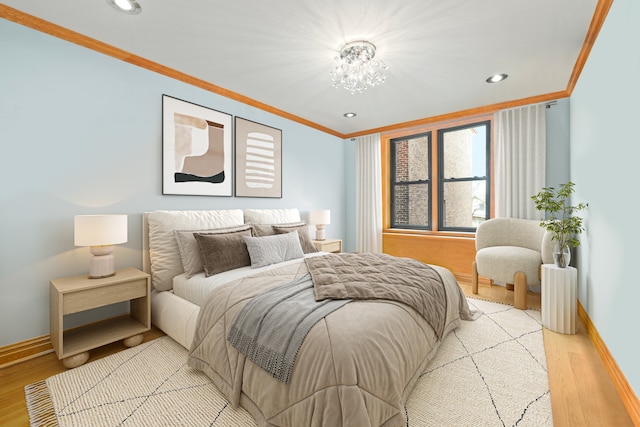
[(267, 229), (190, 251), (223, 252), (273, 249), (303, 234)]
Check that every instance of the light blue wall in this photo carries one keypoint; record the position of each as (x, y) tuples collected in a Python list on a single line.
[(605, 153), (349, 236), (558, 137), (81, 134)]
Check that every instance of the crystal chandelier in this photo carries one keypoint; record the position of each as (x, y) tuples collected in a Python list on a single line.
[(357, 69)]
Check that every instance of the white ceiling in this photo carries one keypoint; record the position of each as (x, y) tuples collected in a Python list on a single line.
[(280, 52)]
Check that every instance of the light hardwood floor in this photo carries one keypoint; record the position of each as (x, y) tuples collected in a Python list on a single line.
[(582, 393)]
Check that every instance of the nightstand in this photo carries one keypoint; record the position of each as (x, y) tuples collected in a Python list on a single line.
[(79, 293), (328, 245)]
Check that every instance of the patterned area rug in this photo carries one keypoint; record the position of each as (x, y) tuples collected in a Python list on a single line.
[(490, 372)]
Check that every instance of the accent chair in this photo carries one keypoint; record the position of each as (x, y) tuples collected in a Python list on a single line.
[(511, 251)]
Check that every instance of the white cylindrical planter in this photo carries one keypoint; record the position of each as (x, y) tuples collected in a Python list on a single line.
[(559, 298)]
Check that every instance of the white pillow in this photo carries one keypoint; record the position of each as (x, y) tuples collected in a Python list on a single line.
[(268, 250), (163, 247), (271, 216)]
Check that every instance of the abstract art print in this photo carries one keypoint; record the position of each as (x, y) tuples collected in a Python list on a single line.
[(197, 157), (258, 160)]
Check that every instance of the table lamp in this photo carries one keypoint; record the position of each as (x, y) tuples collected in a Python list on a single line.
[(320, 218), (100, 233)]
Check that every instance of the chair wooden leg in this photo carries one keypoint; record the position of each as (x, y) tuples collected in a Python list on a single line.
[(520, 292), (474, 278)]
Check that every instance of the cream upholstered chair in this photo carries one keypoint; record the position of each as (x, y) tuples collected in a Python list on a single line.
[(511, 251)]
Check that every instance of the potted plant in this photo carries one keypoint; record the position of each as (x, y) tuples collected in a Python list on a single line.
[(560, 220)]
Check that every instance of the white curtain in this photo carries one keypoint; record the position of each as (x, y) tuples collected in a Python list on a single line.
[(368, 194), (520, 149)]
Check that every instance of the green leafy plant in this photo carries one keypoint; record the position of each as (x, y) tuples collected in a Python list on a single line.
[(560, 218)]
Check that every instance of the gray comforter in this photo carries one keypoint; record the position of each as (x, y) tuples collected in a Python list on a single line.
[(272, 326), (369, 276), (356, 366)]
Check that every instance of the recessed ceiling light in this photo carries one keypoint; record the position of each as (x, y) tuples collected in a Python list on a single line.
[(497, 78), (126, 6), (349, 115)]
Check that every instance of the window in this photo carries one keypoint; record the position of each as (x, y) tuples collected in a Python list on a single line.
[(411, 182), (460, 196), (463, 176)]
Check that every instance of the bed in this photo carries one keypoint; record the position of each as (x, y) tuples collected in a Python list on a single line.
[(357, 363)]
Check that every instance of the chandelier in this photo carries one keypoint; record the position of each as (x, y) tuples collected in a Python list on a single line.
[(357, 69)]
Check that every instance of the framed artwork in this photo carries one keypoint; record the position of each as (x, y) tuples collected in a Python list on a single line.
[(197, 157), (258, 160)]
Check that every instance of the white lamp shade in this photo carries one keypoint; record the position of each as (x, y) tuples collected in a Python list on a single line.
[(320, 217), (100, 230)]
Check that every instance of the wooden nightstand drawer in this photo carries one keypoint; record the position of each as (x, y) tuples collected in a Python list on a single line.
[(328, 245), (104, 295)]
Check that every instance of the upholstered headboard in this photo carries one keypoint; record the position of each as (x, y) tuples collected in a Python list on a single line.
[(160, 255)]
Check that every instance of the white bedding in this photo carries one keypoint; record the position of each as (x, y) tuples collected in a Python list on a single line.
[(197, 288)]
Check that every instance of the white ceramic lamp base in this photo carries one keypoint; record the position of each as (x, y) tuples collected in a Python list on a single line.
[(320, 232), (102, 262)]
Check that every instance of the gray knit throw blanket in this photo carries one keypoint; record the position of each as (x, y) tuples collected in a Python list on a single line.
[(271, 327)]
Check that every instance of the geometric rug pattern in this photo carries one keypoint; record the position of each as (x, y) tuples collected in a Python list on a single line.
[(487, 372)]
